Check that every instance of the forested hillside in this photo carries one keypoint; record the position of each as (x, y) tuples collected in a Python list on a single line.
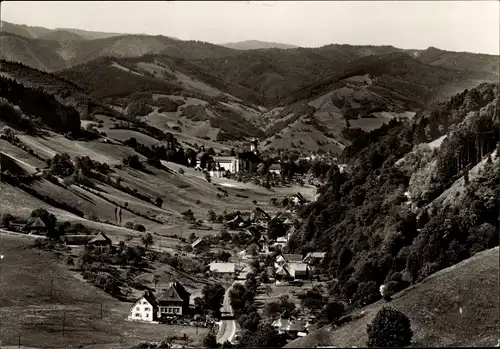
[(34, 104), (374, 234)]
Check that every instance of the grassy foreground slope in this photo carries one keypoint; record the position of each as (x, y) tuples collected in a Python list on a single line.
[(26, 308), (457, 306)]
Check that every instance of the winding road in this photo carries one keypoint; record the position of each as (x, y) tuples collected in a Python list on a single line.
[(227, 328)]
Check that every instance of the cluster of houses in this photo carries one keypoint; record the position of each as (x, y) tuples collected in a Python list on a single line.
[(286, 267), (36, 226)]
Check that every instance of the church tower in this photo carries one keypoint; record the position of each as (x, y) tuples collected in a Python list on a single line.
[(253, 145)]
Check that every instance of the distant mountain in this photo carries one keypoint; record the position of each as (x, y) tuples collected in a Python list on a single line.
[(39, 54), (255, 45), (466, 61), (90, 35), (68, 49), (23, 30), (40, 32), (62, 35)]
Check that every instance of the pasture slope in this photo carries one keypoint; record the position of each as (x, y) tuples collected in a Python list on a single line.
[(457, 306), (27, 309)]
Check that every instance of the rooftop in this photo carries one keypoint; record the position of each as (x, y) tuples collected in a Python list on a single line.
[(222, 267), (176, 293)]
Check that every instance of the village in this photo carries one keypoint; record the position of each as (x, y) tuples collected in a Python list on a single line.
[(233, 248), (280, 274)]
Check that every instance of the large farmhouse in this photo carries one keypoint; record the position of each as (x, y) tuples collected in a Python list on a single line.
[(243, 161), (173, 302), (144, 308)]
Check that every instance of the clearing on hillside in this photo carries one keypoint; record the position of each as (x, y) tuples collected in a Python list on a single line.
[(445, 309)]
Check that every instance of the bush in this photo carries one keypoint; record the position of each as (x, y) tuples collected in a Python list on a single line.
[(139, 227), (212, 216), (390, 328), (133, 161), (6, 219), (159, 202), (210, 341), (181, 170)]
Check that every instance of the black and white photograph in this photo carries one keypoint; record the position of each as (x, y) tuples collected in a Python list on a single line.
[(249, 174)]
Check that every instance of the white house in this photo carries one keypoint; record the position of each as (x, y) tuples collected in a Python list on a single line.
[(284, 258), (228, 163), (314, 257), (143, 309), (222, 268)]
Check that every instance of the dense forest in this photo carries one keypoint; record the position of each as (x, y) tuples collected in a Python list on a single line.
[(374, 234), (35, 102)]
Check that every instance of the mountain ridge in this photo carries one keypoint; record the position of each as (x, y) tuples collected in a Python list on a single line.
[(256, 44)]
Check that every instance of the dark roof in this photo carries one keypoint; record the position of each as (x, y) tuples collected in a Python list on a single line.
[(35, 223), (275, 167), (262, 212), (149, 296), (175, 293), (76, 239), (292, 257)]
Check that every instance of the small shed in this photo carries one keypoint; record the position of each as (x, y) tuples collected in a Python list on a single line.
[(77, 240), (100, 239), (200, 244), (35, 226)]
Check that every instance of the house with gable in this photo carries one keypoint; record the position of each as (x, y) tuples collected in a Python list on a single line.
[(35, 226), (144, 308), (100, 239), (290, 326), (313, 258), (174, 301), (201, 245), (284, 258), (275, 169), (292, 271)]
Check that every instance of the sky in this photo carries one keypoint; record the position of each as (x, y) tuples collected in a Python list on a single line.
[(472, 26)]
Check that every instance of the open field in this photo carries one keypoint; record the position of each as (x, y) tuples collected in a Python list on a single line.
[(457, 306), (27, 308), (284, 289), (20, 154)]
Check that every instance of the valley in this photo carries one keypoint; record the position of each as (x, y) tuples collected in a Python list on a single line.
[(167, 193)]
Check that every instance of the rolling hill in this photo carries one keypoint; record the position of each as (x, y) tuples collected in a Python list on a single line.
[(40, 32), (62, 35), (445, 309), (66, 49), (39, 54), (350, 87), (256, 44)]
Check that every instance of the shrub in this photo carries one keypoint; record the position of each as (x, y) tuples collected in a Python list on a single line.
[(133, 161), (6, 219), (390, 328), (139, 227), (159, 202), (210, 341), (181, 171), (212, 216)]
